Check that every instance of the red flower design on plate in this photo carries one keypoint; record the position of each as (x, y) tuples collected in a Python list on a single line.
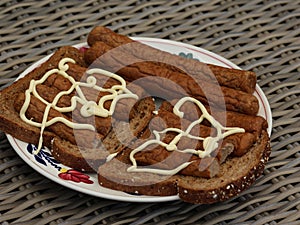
[(74, 175), (83, 49)]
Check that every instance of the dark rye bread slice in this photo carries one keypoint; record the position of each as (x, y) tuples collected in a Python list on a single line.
[(63, 150), (120, 136), (236, 174), (10, 122)]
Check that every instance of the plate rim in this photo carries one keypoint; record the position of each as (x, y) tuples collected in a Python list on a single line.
[(131, 198)]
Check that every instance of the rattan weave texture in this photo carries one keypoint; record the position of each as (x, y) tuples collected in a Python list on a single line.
[(258, 35)]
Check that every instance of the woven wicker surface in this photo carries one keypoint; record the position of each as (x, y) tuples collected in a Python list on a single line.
[(262, 36)]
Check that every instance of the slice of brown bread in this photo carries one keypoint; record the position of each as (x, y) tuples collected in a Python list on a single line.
[(10, 121), (237, 174), (82, 158)]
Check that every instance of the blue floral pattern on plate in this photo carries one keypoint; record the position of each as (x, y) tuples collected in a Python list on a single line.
[(188, 56)]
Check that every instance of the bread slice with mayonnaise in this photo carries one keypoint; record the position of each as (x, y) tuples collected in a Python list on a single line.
[(232, 176), (87, 148)]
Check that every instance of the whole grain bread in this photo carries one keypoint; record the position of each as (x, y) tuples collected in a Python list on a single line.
[(78, 156), (10, 121), (236, 174)]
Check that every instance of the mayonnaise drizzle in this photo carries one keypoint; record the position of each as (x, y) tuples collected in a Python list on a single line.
[(89, 108), (209, 143)]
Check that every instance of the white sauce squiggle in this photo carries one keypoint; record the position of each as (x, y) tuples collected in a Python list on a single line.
[(89, 108), (209, 143)]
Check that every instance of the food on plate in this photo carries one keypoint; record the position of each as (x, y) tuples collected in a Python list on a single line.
[(147, 121), (49, 106), (164, 163)]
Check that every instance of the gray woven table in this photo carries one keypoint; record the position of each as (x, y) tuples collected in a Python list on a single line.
[(257, 35)]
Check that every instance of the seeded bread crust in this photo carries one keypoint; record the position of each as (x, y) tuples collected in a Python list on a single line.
[(10, 121), (236, 175)]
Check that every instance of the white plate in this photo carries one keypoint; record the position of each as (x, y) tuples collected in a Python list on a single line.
[(45, 164)]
